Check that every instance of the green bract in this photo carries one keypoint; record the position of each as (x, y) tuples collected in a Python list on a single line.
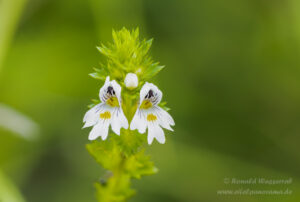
[(127, 54)]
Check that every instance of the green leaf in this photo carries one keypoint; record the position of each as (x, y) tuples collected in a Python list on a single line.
[(129, 141), (105, 153), (95, 102), (163, 106), (152, 70), (99, 74), (139, 164)]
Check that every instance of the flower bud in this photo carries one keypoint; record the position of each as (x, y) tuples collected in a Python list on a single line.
[(131, 81)]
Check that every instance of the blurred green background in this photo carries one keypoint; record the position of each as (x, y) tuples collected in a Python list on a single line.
[(232, 80)]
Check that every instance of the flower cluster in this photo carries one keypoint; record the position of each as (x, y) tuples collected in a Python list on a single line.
[(109, 111)]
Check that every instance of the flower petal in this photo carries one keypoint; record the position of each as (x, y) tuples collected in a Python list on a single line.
[(156, 93), (116, 125), (104, 120), (155, 131), (131, 81), (123, 120), (117, 89), (99, 130), (104, 131), (107, 79), (118, 121), (91, 117), (164, 118), (110, 89), (106, 113), (95, 132), (103, 90), (139, 121)]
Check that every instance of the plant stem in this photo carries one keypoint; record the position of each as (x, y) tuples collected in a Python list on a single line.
[(10, 12)]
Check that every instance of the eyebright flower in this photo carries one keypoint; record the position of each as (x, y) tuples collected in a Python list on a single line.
[(108, 112), (150, 115), (131, 81)]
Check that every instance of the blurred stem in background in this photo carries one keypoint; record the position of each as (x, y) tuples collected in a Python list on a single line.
[(10, 12), (8, 191), (14, 121)]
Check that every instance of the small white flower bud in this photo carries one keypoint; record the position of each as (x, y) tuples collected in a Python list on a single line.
[(131, 81)]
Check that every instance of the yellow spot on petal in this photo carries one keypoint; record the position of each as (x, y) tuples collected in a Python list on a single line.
[(151, 117), (113, 102), (146, 104), (105, 115)]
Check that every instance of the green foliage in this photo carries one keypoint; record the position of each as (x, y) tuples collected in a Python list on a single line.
[(8, 191), (129, 142), (113, 153), (105, 153), (99, 74), (95, 102), (124, 156), (116, 189), (126, 54), (163, 105), (139, 164)]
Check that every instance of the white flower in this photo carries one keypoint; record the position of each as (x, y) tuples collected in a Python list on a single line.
[(151, 116), (131, 81), (108, 112)]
